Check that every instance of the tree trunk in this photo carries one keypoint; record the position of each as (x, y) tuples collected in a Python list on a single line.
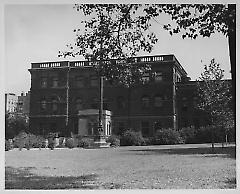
[(129, 108), (232, 52), (212, 138)]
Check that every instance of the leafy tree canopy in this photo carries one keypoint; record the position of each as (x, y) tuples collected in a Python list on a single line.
[(120, 31), (215, 95)]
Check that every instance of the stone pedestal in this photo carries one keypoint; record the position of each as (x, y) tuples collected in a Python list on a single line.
[(100, 142)]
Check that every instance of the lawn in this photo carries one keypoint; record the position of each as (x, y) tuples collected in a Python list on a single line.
[(136, 167)]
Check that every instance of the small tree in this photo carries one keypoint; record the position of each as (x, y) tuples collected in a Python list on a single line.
[(14, 124), (215, 96)]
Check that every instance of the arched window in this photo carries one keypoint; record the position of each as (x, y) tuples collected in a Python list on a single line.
[(145, 102), (158, 101), (108, 132)]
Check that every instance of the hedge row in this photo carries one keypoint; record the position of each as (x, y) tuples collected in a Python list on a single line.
[(128, 138), (185, 135)]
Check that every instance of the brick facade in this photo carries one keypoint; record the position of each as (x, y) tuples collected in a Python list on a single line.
[(60, 89)]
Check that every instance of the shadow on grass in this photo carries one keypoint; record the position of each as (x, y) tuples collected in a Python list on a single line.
[(21, 178), (226, 152), (231, 183)]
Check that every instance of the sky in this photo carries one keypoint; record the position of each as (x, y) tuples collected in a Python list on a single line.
[(35, 33)]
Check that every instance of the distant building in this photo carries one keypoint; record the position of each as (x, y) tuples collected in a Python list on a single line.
[(11, 103), (60, 90), (23, 103)]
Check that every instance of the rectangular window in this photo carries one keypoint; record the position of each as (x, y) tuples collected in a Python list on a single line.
[(121, 127), (158, 76), (158, 101), (43, 82), (94, 81), (79, 81), (55, 82), (145, 128), (145, 77)]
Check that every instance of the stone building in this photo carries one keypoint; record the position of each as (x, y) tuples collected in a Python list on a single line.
[(60, 90)]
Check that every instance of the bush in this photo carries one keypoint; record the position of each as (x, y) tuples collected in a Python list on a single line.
[(84, 142), (51, 143), (188, 134), (20, 140), (231, 132), (28, 141), (204, 134), (69, 143), (113, 140), (168, 137), (31, 141), (149, 141), (7, 145), (131, 138)]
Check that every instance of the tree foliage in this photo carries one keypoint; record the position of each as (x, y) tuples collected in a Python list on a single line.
[(113, 31), (120, 31), (215, 94), (14, 124), (193, 20)]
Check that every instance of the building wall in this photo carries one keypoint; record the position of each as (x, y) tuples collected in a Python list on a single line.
[(23, 104), (73, 86), (188, 113), (11, 103)]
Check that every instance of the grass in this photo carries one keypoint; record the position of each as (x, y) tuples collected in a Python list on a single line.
[(143, 167)]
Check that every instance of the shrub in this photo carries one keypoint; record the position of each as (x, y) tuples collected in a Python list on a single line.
[(7, 145), (51, 143), (231, 132), (31, 141), (20, 140), (131, 137), (69, 143), (84, 142), (113, 140), (149, 140), (38, 142), (204, 134), (188, 134), (168, 137)]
